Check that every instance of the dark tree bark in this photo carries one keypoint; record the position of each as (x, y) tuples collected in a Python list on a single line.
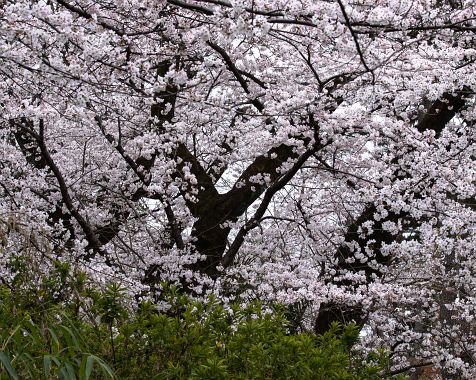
[(449, 105)]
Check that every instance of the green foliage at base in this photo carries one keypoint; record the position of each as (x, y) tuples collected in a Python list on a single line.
[(92, 335)]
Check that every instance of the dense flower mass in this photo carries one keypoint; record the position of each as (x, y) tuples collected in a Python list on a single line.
[(316, 153)]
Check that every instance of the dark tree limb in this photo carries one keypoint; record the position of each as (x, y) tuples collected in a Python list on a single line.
[(228, 258), (31, 151), (82, 13), (356, 39), (191, 6), (238, 74), (94, 243), (440, 112), (448, 106)]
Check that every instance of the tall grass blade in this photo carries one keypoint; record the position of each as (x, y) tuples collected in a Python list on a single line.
[(8, 366)]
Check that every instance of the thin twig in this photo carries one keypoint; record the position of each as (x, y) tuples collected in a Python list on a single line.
[(356, 40)]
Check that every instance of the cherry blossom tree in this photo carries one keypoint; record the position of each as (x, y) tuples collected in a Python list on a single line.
[(316, 153)]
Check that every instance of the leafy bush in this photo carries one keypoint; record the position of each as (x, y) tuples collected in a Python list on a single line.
[(208, 341), (95, 336), (41, 334)]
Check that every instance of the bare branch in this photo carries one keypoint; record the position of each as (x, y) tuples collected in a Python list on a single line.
[(237, 73), (228, 258), (356, 39), (192, 7), (82, 13), (91, 237)]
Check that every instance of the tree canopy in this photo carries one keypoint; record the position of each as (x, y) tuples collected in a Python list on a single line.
[(315, 153)]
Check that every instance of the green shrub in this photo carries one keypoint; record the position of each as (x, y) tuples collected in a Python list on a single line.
[(49, 345), (93, 335), (208, 341)]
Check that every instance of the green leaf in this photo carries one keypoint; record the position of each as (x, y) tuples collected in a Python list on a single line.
[(69, 336), (47, 359), (46, 365), (87, 366), (71, 371), (54, 337), (104, 367), (8, 366), (5, 344), (67, 372)]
